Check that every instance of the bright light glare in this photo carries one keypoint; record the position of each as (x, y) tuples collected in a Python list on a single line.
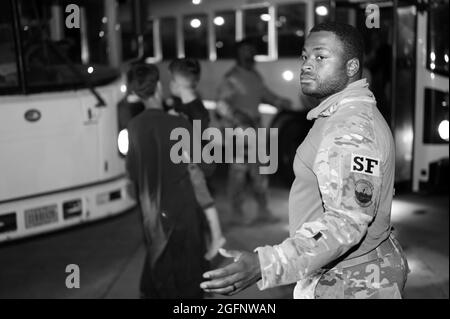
[(90, 69), (123, 88), (122, 141), (219, 21), (265, 17), (432, 66), (288, 75), (196, 2), (433, 56), (446, 58), (322, 11), (443, 130), (196, 23)]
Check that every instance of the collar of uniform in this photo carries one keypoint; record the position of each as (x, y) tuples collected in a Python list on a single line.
[(328, 106)]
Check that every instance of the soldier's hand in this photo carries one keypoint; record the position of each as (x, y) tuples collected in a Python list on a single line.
[(235, 277)]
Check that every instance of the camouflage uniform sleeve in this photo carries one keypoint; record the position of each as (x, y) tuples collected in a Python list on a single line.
[(348, 168)]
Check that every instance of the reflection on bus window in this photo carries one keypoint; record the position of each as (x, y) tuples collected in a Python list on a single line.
[(168, 31), (195, 30), (130, 49), (225, 30), (291, 29), (256, 26), (8, 64), (436, 115), (51, 52), (438, 55), (149, 50)]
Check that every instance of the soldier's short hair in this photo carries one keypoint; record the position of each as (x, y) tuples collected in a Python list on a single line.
[(188, 68), (350, 37), (142, 79)]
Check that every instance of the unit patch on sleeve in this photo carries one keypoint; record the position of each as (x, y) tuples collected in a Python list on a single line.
[(365, 165), (363, 192)]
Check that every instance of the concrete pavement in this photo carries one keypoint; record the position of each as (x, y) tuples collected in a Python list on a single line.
[(110, 252)]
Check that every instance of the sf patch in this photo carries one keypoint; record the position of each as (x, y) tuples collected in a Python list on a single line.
[(365, 165), (363, 192)]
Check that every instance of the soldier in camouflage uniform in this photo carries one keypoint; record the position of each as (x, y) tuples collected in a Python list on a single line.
[(238, 98), (340, 243)]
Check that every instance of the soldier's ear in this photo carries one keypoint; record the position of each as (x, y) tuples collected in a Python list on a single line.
[(353, 67)]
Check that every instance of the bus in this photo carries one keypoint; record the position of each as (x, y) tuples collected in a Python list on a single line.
[(60, 84), (406, 63)]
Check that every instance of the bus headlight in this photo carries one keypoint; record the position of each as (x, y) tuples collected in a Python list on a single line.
[(443, 130), (122, 141)]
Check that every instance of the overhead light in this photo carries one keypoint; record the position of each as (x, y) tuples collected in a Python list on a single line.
[(443, 130), (288, 75), (299, 33), (432, 65), (196, 2), (123, 88), (322, 11), (219, 20), (446, 58), (196, 23), (90, 69), (433, 56), (265, 17)]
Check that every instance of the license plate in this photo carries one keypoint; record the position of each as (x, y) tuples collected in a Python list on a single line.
[(41, 216)]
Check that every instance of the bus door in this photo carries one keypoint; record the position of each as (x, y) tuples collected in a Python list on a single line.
[(389, 66)]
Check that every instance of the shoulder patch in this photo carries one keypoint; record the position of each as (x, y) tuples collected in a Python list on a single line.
[(365, 165), (363, 192)]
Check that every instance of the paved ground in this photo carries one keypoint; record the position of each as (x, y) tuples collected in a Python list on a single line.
[(110, 252)]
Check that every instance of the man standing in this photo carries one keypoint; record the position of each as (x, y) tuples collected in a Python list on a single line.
[(239, 96), (173, 220), (340, 243)]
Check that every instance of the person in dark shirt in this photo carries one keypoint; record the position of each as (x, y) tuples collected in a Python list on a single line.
[(174, 224), (185, 75)]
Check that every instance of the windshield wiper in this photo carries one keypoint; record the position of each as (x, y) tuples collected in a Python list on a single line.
[(77, 72)]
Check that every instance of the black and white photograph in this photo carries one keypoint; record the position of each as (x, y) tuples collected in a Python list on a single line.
[(226, 155)]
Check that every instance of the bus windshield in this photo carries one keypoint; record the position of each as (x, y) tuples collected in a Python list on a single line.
[(54, 56)]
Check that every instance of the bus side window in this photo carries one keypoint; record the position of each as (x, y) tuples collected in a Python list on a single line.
[(437, 46), (225, 31), (195, 30), (149, 49), (127, 18), (290, 23), (168, 34), (256, 28)]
